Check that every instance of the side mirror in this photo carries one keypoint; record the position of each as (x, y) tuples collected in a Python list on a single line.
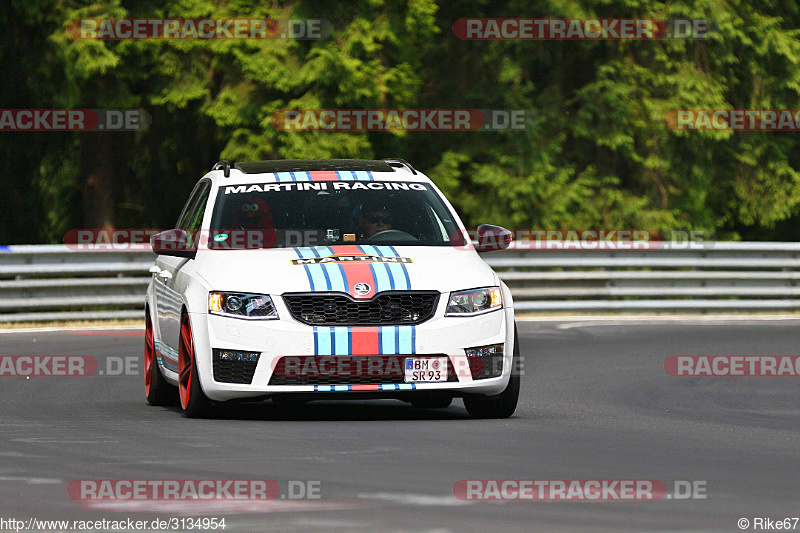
[(174, 242), (492, 238)]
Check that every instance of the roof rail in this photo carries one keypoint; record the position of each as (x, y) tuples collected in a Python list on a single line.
[(402, 163), (224, 166)]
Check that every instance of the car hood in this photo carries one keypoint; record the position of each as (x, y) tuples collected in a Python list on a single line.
[(361, 271)]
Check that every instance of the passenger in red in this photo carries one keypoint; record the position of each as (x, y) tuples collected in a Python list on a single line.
[(253, 215)]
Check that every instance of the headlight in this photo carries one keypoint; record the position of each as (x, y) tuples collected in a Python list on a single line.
[(239, 305), (485, 351), (474, 302)]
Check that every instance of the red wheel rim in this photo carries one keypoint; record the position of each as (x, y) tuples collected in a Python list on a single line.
[(148, 354), (185, 359)]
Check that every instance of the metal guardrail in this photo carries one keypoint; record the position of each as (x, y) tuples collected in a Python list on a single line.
[(52, 282), (721, 276)]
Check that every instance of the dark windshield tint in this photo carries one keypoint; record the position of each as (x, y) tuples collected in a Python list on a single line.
[(336, 212)]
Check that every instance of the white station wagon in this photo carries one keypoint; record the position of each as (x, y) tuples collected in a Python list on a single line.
[(301, 280)]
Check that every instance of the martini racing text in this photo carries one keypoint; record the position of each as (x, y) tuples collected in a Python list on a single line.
[(323, 186)]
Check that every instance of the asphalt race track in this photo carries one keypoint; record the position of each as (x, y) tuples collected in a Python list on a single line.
[(596, 404)]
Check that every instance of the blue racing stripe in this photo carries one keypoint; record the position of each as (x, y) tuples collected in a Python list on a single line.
[(384, 281), (393, 273), (327, 277), (169, 358), (388, 386), (342, 341), (375, 281), (362, 175), (386, 336), (315, 278), (349, 340), (333, 272), (344, 278), (405, 339), (322, 281), (324, 342), (381, 276), (284, 176), (402, 268), (400, 282)]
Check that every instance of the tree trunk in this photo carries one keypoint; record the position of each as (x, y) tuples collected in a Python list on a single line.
[(97, 162)]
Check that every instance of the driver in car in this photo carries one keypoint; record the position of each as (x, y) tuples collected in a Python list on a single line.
[(374, 219)]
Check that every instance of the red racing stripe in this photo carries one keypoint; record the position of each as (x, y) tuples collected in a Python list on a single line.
[(356, 272), (365, 341), (323, 175), (365, 387)]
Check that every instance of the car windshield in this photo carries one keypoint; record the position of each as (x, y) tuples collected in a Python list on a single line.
[(263, 215)]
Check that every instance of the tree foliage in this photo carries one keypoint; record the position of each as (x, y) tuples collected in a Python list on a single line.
[(597, 155)]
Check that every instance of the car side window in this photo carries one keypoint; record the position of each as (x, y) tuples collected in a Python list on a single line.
[(199, 209), (189, 213)]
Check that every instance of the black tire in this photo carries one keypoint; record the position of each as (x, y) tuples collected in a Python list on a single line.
[(194, 402), (433, 401), (503, 405), (156, 389)]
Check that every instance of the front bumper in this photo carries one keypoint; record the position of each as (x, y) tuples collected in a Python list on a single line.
[(275, 339)]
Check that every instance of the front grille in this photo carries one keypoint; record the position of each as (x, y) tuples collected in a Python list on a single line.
[(393, 308), (300, 371), (234, 367)]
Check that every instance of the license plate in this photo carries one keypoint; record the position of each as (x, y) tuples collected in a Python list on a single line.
[(425, 370)]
